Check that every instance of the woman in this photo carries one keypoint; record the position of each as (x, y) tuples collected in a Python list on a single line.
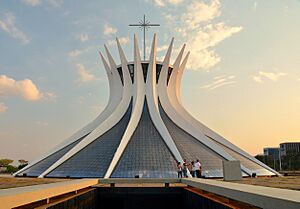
[(185, 168), (193, 169), (179, 170)]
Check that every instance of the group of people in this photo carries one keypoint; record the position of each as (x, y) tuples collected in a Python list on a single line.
[(193, 167)]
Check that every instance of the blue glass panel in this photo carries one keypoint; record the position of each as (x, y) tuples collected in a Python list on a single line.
[(121, 74), (146, 154), (94, 159), (191, 149), (131, 71), (145, 71), (38, 168), (259, 170)]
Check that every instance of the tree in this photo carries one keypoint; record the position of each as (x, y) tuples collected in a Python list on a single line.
[(291, 161), (269, 161), (5, 162), (11, 169), (23, 163)]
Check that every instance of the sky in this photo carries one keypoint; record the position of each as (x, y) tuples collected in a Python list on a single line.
[(242, 78)]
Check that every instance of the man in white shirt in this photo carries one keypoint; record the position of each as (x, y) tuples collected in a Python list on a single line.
[(198, 169)]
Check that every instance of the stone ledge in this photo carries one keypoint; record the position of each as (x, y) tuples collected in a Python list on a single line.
[(137, 181), (264, 197), (15, 197)]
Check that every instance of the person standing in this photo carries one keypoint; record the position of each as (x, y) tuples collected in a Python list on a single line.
[(185, 168), (179, 170), (198, 168), (193, 169)]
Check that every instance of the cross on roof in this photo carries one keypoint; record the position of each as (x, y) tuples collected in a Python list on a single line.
[(143, 25)]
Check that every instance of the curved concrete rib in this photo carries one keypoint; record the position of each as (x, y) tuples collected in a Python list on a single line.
[(152, 99), (174, 96), (107, 124), (175, 117), (113, 101), (138, 103)]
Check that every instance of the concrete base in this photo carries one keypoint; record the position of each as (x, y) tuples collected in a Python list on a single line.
[(258, 196), (232, 170), (262, 197)]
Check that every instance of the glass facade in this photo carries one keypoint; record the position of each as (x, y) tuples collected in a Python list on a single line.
[(145, 71), (158, 69), (170, 70), (38, 168), (146, 154), (191, 149), (121, 74), (259, 170), (94, 159)]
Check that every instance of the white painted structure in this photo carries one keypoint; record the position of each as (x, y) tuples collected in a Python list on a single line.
[(144, 109)]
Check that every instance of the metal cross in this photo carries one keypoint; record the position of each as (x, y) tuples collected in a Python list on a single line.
[(143, 25)]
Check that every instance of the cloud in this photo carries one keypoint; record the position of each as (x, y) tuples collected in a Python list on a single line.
[(257, 79), (162, 48), (77, 52), (255, 5), (109, 30), (201, 44), (198, 12), (49, 96), (74, 53), (272, 76), (201, 31), (220, 81), (3, 107), (8, 25), (267, 75), (163, 3), (175, 2), (23, 88), (84, 75), (212, 34), (32, 3), (52, 3), (159, 3), (83, 37), (122, 40)]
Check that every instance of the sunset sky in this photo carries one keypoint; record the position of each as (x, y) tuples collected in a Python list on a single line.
[(243, 76)]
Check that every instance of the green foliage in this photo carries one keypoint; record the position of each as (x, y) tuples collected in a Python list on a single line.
[(269, 161), (5, 162), (290, 162), (11, 169), (22, 166)]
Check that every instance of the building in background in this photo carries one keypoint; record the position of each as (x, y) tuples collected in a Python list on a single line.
[(290, 156), (285, 157), (289, 148), (272, 151)]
